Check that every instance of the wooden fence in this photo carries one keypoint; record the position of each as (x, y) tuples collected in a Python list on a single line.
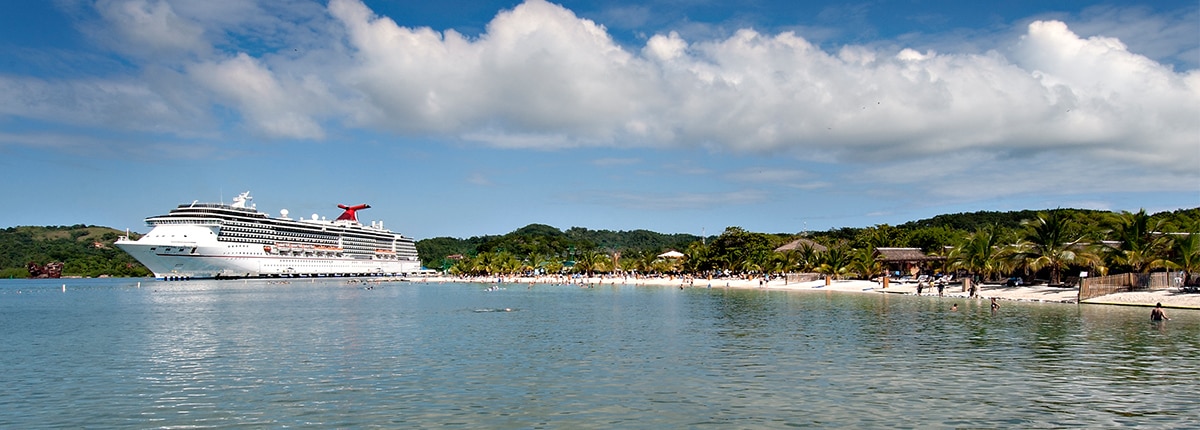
[(1126, 282), (793, 278)]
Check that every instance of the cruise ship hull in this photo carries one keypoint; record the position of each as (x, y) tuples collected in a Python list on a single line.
[(207, 262), (201, 241)]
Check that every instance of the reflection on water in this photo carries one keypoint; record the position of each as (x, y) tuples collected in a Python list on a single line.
[(331, 353)]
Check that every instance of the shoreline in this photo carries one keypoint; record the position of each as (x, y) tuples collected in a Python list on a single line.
[(1037, 293)]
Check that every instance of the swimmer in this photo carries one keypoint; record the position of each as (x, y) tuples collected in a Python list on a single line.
[(1157, 315), (954, 308)]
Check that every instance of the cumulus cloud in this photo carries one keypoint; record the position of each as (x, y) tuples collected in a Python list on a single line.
[(149, 28), (537, 71), (121, 104), (275, 108), (542, 77), (1169, 37)]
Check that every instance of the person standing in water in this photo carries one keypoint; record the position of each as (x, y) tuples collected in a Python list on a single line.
[(1157, 315)]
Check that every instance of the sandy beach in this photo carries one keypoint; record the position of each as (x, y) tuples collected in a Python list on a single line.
[(1036, 293)]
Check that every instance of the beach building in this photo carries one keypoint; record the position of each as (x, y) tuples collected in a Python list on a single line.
[(800, 243), (907, 261)]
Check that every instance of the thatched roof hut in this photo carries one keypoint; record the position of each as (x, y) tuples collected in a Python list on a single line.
[(798, 243), (903, 255)]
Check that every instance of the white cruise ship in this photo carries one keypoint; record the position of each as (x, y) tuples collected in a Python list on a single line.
[(217, 240)]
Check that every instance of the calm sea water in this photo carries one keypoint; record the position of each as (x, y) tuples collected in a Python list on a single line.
[(326, 353)]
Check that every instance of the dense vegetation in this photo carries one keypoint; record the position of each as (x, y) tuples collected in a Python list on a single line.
[(1045, 244), (544, 243), (1030, 244), (84, 251)]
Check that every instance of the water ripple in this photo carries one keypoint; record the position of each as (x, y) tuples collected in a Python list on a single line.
[(322, 354)]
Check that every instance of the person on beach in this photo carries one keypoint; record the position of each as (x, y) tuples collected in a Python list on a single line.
[(995, 306), (1157, 315)]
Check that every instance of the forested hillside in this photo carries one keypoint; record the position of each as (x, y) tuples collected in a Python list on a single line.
[(84, 251), (547, 241), (547, 247), (89, 251)]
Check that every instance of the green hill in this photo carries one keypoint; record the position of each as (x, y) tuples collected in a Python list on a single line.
[(89, 251), (84, 250)]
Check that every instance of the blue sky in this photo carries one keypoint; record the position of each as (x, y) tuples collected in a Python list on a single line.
[(480, 117)]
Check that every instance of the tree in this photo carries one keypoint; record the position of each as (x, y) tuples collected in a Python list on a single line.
[(735, 248), (590, 262), (788, 261), (1049, 242), (645, 262), (931, 239), (809, 256), (505, 263), (698, 260), (879, 236), (1185, 251), (980, 253), (865, 263), (1141, 245), (835, 261)]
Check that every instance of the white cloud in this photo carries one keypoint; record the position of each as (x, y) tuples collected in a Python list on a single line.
[(767, 175), (610, 162), (114, 104), (539, 70), (673, 201), (150, 27), (275, 108), (476, 178), (1169, 36), (665, 48), (540, 77)]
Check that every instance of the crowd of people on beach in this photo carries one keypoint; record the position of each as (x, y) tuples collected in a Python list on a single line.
[(969, 288)]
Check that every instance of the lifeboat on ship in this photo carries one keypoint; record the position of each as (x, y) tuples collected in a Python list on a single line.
[(384, 254)]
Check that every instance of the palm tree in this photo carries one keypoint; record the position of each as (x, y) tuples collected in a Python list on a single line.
[(554, 265), (980, 253), (591, 262), (809, 256), (506, 263), (697, 258), (629, 262), (645, 262), (1050, 243), (786, 261), (482, 263), (866, 263), (1142, 247), (835, 261), (1185, 250), (536, 260), (756, 262)]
